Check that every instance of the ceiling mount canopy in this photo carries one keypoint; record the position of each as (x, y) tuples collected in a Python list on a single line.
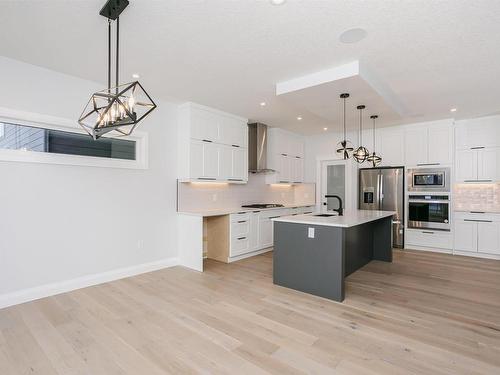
[(344, 147), (122, 107)]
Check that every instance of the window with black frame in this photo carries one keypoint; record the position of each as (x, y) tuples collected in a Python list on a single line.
[(30, 138)]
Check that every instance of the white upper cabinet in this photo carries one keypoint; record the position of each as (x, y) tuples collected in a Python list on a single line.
[(466, 165), (212, 145), (416, 146), (204, 125), (233, 132), (389, 145), (285, 154), (429, 144), (477, 144), (440, 144), (479, 132)]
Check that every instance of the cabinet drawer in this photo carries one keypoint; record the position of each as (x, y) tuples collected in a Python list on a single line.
[(239, 217), (429, 238), (239, 246), (240, 228)]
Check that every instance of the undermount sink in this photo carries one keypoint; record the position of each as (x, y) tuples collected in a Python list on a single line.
[(325, 215)]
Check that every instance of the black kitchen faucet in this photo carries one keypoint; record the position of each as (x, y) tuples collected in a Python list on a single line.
[(340, 210)]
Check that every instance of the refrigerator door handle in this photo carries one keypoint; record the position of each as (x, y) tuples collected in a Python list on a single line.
[(380, 191)]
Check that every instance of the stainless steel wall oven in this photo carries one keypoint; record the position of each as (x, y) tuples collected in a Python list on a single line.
[(429, 212)]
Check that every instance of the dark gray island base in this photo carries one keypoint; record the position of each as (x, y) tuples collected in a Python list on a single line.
[(319, 265)]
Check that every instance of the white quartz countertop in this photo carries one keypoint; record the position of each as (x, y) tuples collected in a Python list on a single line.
[(350, 218), (228, 211)]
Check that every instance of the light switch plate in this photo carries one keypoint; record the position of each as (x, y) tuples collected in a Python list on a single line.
[(310, 232)]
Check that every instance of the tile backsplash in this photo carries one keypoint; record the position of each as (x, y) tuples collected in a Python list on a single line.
[(213, 196), (477, 197)]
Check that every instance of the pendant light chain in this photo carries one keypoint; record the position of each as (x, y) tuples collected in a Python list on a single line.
[(109, 55), (361, 153), (117, 52)]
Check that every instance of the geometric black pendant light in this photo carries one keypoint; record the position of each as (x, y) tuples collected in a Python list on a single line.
[(118, 108), (344, 147), (373, 158), (361, 153)]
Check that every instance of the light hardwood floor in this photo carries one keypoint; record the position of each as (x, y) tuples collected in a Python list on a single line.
[(426, 313)]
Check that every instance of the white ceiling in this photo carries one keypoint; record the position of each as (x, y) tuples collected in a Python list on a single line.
[(432, 55)]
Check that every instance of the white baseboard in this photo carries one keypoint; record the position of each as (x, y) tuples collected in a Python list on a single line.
[(430, 249), (476, 255), (244, 256), (51, 289)]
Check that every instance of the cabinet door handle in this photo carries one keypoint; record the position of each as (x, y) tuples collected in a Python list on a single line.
[(242, 221), (426, 232), (284, 182), (207, 178), (297, 157), (235, 146), (427, 164), (477, 148), (284, 155), (241, 238), (478, 180), (274, 217), (235, 179), (477, 212), (479, 221), (207, 140)]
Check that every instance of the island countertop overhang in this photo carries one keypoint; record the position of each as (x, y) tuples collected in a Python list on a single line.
[(349, 219)]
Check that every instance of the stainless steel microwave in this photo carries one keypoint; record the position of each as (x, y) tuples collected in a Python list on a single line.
[(429, 179)]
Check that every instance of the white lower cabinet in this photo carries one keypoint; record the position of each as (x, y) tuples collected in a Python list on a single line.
[(477, 233), (431, 239), (465, 235), (253, 231), (265, 232), (488, 238)]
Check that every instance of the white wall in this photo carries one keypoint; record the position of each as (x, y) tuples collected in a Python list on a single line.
[(60, 222)]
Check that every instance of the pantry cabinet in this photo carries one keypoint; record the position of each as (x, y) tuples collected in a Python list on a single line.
[(212, 145)]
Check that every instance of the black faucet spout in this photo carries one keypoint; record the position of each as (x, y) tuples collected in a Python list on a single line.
[(340, 210)]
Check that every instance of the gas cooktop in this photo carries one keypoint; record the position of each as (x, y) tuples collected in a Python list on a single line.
[(262, 205)]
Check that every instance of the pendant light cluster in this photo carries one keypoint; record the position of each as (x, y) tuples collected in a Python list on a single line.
[(118, 108), (361, 154)]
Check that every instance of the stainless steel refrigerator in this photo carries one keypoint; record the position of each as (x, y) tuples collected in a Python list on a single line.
[(383, 189)]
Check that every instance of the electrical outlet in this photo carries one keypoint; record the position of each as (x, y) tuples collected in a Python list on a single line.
[(140, 244), (214, 197), (310, 232)]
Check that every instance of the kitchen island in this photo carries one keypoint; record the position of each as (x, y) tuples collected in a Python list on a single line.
[(314, 253)]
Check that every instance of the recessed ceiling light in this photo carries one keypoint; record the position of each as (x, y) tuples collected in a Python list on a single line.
[(353, 35), (325, 129), (453, 110), (262, 104), (299, 118), (136, 76), (277, 2)]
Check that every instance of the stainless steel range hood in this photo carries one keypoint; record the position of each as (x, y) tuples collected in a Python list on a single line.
[(257, 149)]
